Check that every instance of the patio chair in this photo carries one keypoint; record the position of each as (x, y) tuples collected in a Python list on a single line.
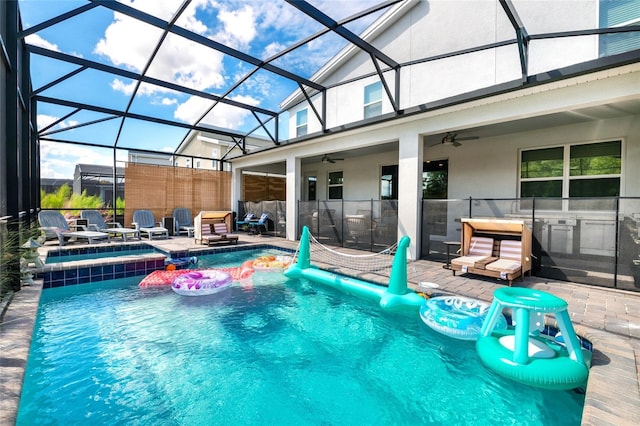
[(244, 223), (217, 232), (358, 227), (97, 223), (145, 222), (480, 250), (220, 228), (256, 225), (55, 225), (509, 263), (183, 221)]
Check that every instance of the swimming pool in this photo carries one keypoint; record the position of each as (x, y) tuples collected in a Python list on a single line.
[(269, 351)]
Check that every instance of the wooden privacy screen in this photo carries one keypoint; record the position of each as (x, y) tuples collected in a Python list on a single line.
[(258, 188), (161, 189)]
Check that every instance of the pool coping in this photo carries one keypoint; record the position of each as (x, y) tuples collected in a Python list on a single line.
[(612, 393)]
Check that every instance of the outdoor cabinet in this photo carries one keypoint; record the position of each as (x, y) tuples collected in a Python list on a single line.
[(167, 222)]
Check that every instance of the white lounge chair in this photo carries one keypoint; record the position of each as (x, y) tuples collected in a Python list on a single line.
[(145, 222), (182, 220), (55, 226), (97, 223)]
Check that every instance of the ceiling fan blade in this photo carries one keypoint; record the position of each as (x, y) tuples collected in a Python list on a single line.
[(468, 138), (456, 143)]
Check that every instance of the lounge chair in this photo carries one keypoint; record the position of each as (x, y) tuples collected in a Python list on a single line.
[(220, 228), (244, 223), (480, 249), (145, 222), (55, 225), (358, 227), (97, 223), (256, 226), (217, 232), (182, 220), (509, 264)]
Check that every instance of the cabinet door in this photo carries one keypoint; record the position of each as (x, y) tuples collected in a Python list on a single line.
[(598, 237)]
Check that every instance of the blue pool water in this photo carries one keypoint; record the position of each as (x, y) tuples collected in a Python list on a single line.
[(270, 351)]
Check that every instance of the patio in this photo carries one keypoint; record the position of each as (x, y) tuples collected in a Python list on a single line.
[(610, 319)]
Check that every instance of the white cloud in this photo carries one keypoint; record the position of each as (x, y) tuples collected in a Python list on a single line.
[(58, 160), (223, 115), (167, 101), (36, 40), (130, 43), (272, 49), (239, 26), (44, 120)]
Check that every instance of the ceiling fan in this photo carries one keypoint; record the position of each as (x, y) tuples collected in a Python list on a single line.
[(451, 138), (327, 159)]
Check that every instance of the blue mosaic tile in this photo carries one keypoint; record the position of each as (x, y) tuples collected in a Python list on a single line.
[(119, 267), (57, 283), (57, 275), (84, 280), (96, 270)]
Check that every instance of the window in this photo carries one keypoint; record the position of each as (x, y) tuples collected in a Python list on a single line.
[(373, 100), (619, 13), (435, 180), (301, 122), (587, 170), (311, 188), (389, 183), (335, 185)]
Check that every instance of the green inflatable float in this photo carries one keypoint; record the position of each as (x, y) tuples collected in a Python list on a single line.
[(396, 296), (524, 355)]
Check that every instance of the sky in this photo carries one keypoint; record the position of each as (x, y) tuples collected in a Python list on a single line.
[(260, 28)]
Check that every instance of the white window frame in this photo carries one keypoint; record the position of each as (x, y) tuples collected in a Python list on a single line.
[(566, 177), (372, 102), (302, 128)]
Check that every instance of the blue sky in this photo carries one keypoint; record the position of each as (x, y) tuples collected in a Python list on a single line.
[(259, 28)]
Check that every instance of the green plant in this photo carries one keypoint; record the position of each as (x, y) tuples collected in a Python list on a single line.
[(9, 257), (68, 202), (13, 234)]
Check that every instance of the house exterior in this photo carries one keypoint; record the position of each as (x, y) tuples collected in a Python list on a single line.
[(98, 180), (555, 120)]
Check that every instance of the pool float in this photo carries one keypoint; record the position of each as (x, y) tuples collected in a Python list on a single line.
[(456, 316), (161, 278), (271, 263), (180, 263), (201, 282), (524, 355)]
